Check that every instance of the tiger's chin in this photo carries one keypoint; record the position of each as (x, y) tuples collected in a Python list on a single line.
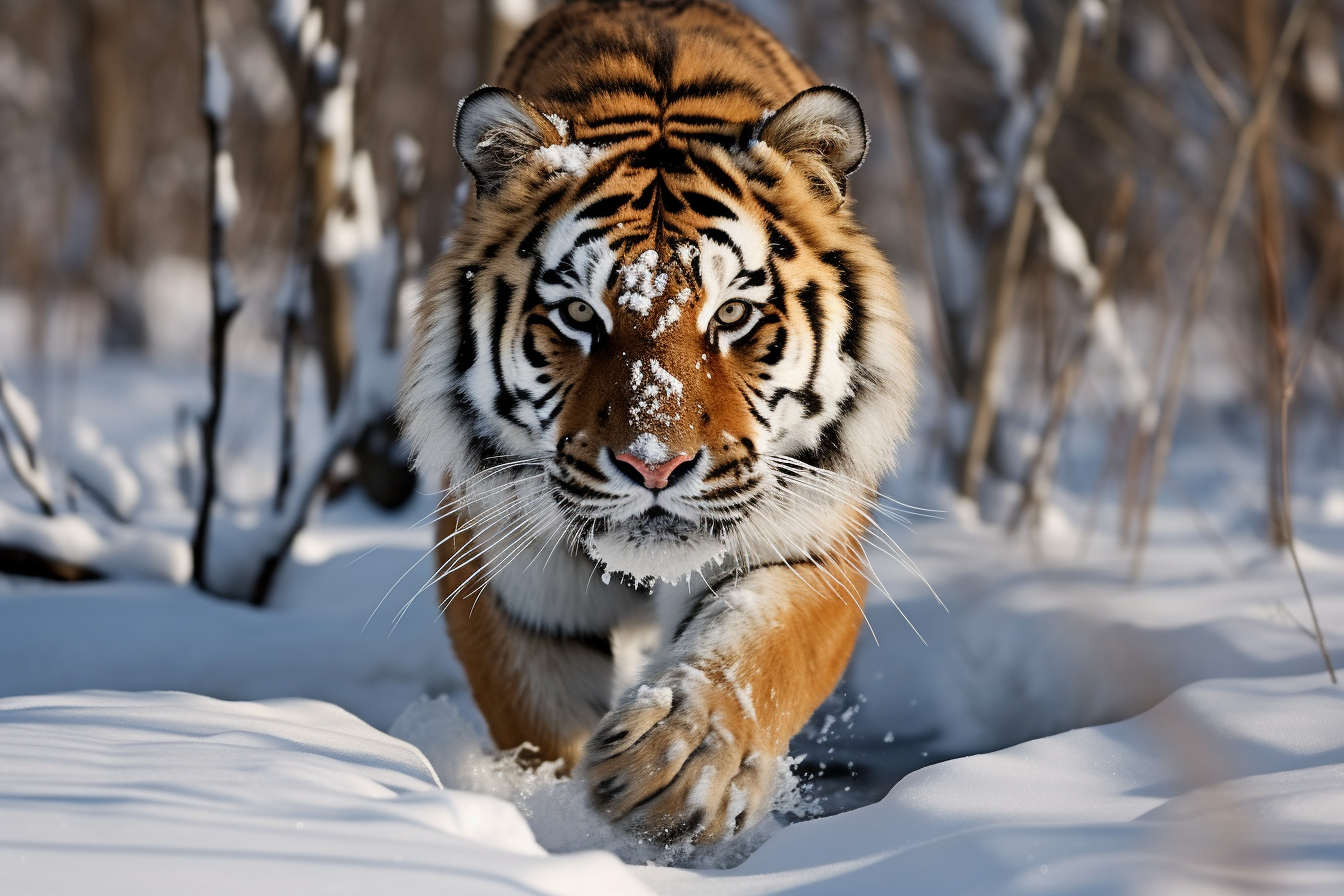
[(655, 545)]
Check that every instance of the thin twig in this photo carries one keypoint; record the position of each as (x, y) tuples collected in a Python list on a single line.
[(1208, 529), (1288, 526), (1042, 468), (1233, 187), (913, 202), (1033, 167), (1217, 88)]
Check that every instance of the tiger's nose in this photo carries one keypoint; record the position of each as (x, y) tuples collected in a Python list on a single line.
[(655, 477)]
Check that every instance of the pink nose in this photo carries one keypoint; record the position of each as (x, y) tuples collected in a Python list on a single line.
[(654, 477)]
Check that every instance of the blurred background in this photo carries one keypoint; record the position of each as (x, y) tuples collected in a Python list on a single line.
[(1117, 223), (1099, 209)]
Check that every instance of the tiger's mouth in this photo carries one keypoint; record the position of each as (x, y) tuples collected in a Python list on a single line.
[(657, 524), (654, 544)]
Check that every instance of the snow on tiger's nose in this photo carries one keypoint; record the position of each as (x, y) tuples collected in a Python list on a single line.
[(655, 395)]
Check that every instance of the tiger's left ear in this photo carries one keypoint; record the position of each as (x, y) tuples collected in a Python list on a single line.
[(496, 130), (821, 128)]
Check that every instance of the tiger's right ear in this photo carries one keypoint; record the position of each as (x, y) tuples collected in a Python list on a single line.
[(823, 130), (496, 130)]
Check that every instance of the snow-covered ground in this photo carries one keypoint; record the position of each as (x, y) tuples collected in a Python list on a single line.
[(1234, 782)]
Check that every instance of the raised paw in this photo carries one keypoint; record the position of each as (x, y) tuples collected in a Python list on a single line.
[(681, 758)]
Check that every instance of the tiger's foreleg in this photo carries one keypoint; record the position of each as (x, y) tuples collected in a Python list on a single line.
[(692, 751), (532, 686)]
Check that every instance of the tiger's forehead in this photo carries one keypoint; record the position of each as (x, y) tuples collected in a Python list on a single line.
[(626, 262)]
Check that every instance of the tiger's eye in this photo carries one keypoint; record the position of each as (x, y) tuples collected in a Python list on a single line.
[(732, 313), (579, 312)]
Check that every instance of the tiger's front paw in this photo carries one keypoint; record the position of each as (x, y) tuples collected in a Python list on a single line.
[(682, 757)]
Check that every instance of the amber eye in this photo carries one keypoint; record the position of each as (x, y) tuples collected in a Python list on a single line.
[(579, 313), (732, 313)]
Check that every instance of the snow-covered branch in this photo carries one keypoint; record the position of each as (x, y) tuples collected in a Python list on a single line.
[(20, 430), (216, 92)]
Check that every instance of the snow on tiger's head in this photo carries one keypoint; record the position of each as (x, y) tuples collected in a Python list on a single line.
[(677, 348)]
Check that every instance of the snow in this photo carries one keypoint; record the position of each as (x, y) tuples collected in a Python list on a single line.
[(100, 468), (672, 313), (566, 158), (287, 16), (227, 200), (279, 796), (20, 411), (326, 62), (348, 236), (336, 124), (410, 159), (118, 551), (176, 294), (641, 282), (656, 394), (517, 13), (217, 91), (1174, 735), (310, 34), (672, 387), (561, 126), (1067, 246), (1232, 780), (649, 448)]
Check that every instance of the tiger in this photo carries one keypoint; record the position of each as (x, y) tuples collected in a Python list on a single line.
[(661, 371)]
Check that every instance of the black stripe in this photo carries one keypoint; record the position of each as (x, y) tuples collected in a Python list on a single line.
[(851, 342), (721, 178), (762, 177), (780, 245), (708, 206), (635, 118), (660, 157), (827, 450), (603, 140), (582, 92), (696, 608), (529, 241), (466, 343), (722, 239), (594, 641), (807, 298), (604, 208), (775, 351), (542, 400), (751, 409), (530, 352), (505, 400), (559, 405), (706, 120), (716, 86), (597, 178), (644, 199)]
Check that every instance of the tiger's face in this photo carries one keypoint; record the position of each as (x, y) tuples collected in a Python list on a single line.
[(683, 339)]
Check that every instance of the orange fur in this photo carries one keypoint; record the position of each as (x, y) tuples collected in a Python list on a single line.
[(675, 99)]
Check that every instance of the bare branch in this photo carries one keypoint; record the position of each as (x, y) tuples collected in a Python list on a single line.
[(1219, 90), (1233, 187), (1031, 173), (222, 204)]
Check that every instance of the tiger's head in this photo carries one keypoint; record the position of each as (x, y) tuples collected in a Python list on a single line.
[(675, 341)]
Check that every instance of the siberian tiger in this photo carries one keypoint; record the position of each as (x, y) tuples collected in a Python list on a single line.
[(661, 370)]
